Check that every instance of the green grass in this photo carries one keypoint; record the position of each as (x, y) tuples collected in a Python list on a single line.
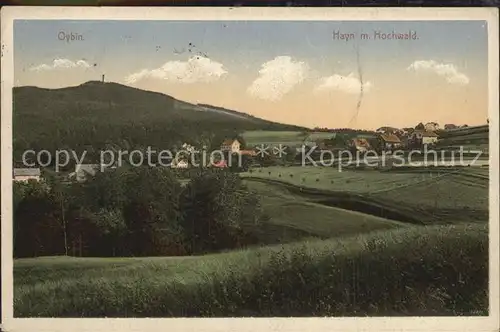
[(406, 271), (318, 135), (293, 217), (329, 178), (331, 261), (429, 196), (471, 138), (269, 137)]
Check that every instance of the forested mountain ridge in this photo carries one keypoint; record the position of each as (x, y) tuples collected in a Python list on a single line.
[(95, 115)]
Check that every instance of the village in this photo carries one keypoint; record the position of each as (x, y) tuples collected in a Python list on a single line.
[(254, 147)]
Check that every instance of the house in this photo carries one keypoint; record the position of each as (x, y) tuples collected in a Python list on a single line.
[(360, 144), (390, 141), (231, 145), (179, 164), (424, 137), (82, 171), (26, 174), (431, 126)]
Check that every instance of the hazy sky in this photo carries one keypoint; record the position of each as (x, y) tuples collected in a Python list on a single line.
[(292, 72)]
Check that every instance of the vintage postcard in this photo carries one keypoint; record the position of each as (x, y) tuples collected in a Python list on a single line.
[(250, 169)]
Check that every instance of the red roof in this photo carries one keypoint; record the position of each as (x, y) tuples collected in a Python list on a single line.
[(220, 164), (361, 142)]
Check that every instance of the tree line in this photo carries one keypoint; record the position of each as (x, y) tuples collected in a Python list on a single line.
[(139, 211)]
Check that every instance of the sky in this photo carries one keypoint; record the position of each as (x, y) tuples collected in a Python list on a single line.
[(332, 74)]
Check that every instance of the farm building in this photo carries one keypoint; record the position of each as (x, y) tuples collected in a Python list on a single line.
[(82, 171), (360, 144), (231, 145), (26, 174), (424, 137), (179, 164), (431, 126), (390, 141)]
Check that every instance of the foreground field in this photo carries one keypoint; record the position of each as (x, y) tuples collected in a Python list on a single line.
[(438, 270), (352, 243)]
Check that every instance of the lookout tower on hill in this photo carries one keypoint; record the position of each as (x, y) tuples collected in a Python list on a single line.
[(102, 78)]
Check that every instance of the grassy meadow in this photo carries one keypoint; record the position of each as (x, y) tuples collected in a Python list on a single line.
[(443, 195), (431, 270), (293, 217), (255, 138), (314, 258), (470, 138)]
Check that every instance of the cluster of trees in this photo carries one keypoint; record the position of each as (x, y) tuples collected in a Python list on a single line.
[(139, 211)]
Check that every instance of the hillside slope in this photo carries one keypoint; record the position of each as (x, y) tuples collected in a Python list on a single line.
[(102, 114), (473, 138), (415, 271)]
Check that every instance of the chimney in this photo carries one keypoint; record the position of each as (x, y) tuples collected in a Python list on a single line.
[(103, 78)]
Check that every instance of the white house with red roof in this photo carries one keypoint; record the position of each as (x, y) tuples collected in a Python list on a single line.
[(231, 145)]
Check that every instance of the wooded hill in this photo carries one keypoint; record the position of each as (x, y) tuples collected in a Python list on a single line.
[(95, 116)]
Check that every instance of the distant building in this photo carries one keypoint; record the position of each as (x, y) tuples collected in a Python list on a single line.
[(82, 171), (390, 141), (431, 126), (424, 137), (230, 145), (450, 126), (26, 174), (360, 144), (179, 164)]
